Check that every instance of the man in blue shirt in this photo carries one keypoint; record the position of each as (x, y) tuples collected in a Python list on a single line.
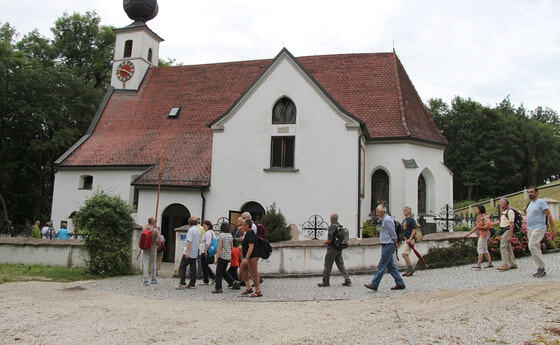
[(62, 233), (389, 244), (537, 214)]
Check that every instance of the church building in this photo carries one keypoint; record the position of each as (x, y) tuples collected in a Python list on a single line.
[(313, 135)]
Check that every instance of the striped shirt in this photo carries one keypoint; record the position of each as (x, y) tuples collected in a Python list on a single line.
[(227, 242)]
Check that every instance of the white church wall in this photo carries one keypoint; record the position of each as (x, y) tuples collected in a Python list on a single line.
[(403, 182), (68, 197), (191, 199), (326, 154)]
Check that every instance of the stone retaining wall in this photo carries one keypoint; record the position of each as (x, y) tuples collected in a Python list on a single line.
[(289, 258)]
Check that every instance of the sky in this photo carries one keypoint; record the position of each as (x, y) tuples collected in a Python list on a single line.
[(485, 50)]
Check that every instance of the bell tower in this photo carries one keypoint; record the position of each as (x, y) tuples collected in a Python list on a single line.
[(136, 46)]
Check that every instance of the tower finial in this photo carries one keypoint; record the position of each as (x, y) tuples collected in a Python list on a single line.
[(140, 10)]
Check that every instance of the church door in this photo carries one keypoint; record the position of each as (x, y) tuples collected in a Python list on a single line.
[(174, 216), (254, 208)]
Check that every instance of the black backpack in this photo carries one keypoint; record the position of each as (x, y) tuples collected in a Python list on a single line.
[(341, 237), (264, 248), (399, 230), (518, 220)]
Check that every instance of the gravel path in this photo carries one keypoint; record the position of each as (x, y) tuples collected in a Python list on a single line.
[(444, 306)]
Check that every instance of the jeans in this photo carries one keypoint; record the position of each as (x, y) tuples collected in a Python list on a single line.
[(334, 255), (207, 271), (386, 263), (183, 270), (233, 272), (221, 272), (149, 258)]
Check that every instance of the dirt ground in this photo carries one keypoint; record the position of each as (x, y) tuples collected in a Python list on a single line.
[(67, 313)]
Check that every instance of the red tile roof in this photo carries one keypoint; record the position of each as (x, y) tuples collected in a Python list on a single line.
[(133, 126)]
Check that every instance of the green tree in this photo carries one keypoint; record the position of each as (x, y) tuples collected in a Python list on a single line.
[(493, 151), (107, 226), (275, 224), (48, 96)]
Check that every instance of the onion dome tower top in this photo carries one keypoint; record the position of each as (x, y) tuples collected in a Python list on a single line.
[(140, 10)]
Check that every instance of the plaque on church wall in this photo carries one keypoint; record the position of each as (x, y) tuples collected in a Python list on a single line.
[(283, 130)]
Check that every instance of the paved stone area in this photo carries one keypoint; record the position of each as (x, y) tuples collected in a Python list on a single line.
[(306, 289)]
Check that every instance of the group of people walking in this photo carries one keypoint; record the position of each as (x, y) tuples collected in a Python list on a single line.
[(199, 240), (48, 231), (239, 251), (538, 217)]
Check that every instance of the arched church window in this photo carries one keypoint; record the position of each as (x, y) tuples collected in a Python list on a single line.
[(127, 48), (379, 189), (150, 55), (422, 195), (284, 112)]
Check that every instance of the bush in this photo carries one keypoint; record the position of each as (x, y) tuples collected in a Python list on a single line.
[(368, 230), (275, 223), (462, 227), (458, 253), (106, 225)]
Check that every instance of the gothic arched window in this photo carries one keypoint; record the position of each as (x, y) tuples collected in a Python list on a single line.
[(421, 195), (284, 112), (379, 189)]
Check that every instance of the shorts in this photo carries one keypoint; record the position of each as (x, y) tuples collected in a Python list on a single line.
[(482, 246), (405, 248)]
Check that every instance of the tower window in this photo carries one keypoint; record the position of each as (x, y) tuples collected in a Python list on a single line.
[(282, 152), (127, 49), (284, 112), (150, 55)]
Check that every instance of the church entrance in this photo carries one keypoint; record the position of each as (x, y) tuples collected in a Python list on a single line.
[(174, 216), (254, 208)]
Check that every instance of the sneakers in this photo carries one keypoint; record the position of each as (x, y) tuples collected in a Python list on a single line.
[(408, 273), (217, 291), (181, 287), (146, 283), (236, 286), (347, 282), (540, 273), (323, 284), (477, 266), (190, 286), (154, 281), (503, 267), (489, 265)]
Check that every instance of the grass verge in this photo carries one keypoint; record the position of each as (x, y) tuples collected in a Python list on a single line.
[(19, 273)]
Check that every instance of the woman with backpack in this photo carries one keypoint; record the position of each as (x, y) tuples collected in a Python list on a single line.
[(249, 265), (223, 256), (207, 258), (482, 228)]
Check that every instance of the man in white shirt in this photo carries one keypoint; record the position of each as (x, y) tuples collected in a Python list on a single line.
[(190, 254)]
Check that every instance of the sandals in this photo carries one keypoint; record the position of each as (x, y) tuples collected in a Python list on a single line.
[(246, 292), (256, 294)]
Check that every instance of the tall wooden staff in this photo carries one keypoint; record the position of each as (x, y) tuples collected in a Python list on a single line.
[(160, 157)]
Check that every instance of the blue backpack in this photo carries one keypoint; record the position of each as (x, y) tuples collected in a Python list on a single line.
[(213, 248)]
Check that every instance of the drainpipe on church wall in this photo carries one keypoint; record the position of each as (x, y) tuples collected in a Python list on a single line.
[(360, 181), (203, 204)]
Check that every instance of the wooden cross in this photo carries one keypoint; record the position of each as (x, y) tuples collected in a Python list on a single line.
[(160, 157)]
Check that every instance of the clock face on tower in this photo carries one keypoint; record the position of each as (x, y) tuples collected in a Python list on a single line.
[(125, 70)]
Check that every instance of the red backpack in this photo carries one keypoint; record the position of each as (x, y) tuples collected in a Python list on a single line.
[(145, 239)]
